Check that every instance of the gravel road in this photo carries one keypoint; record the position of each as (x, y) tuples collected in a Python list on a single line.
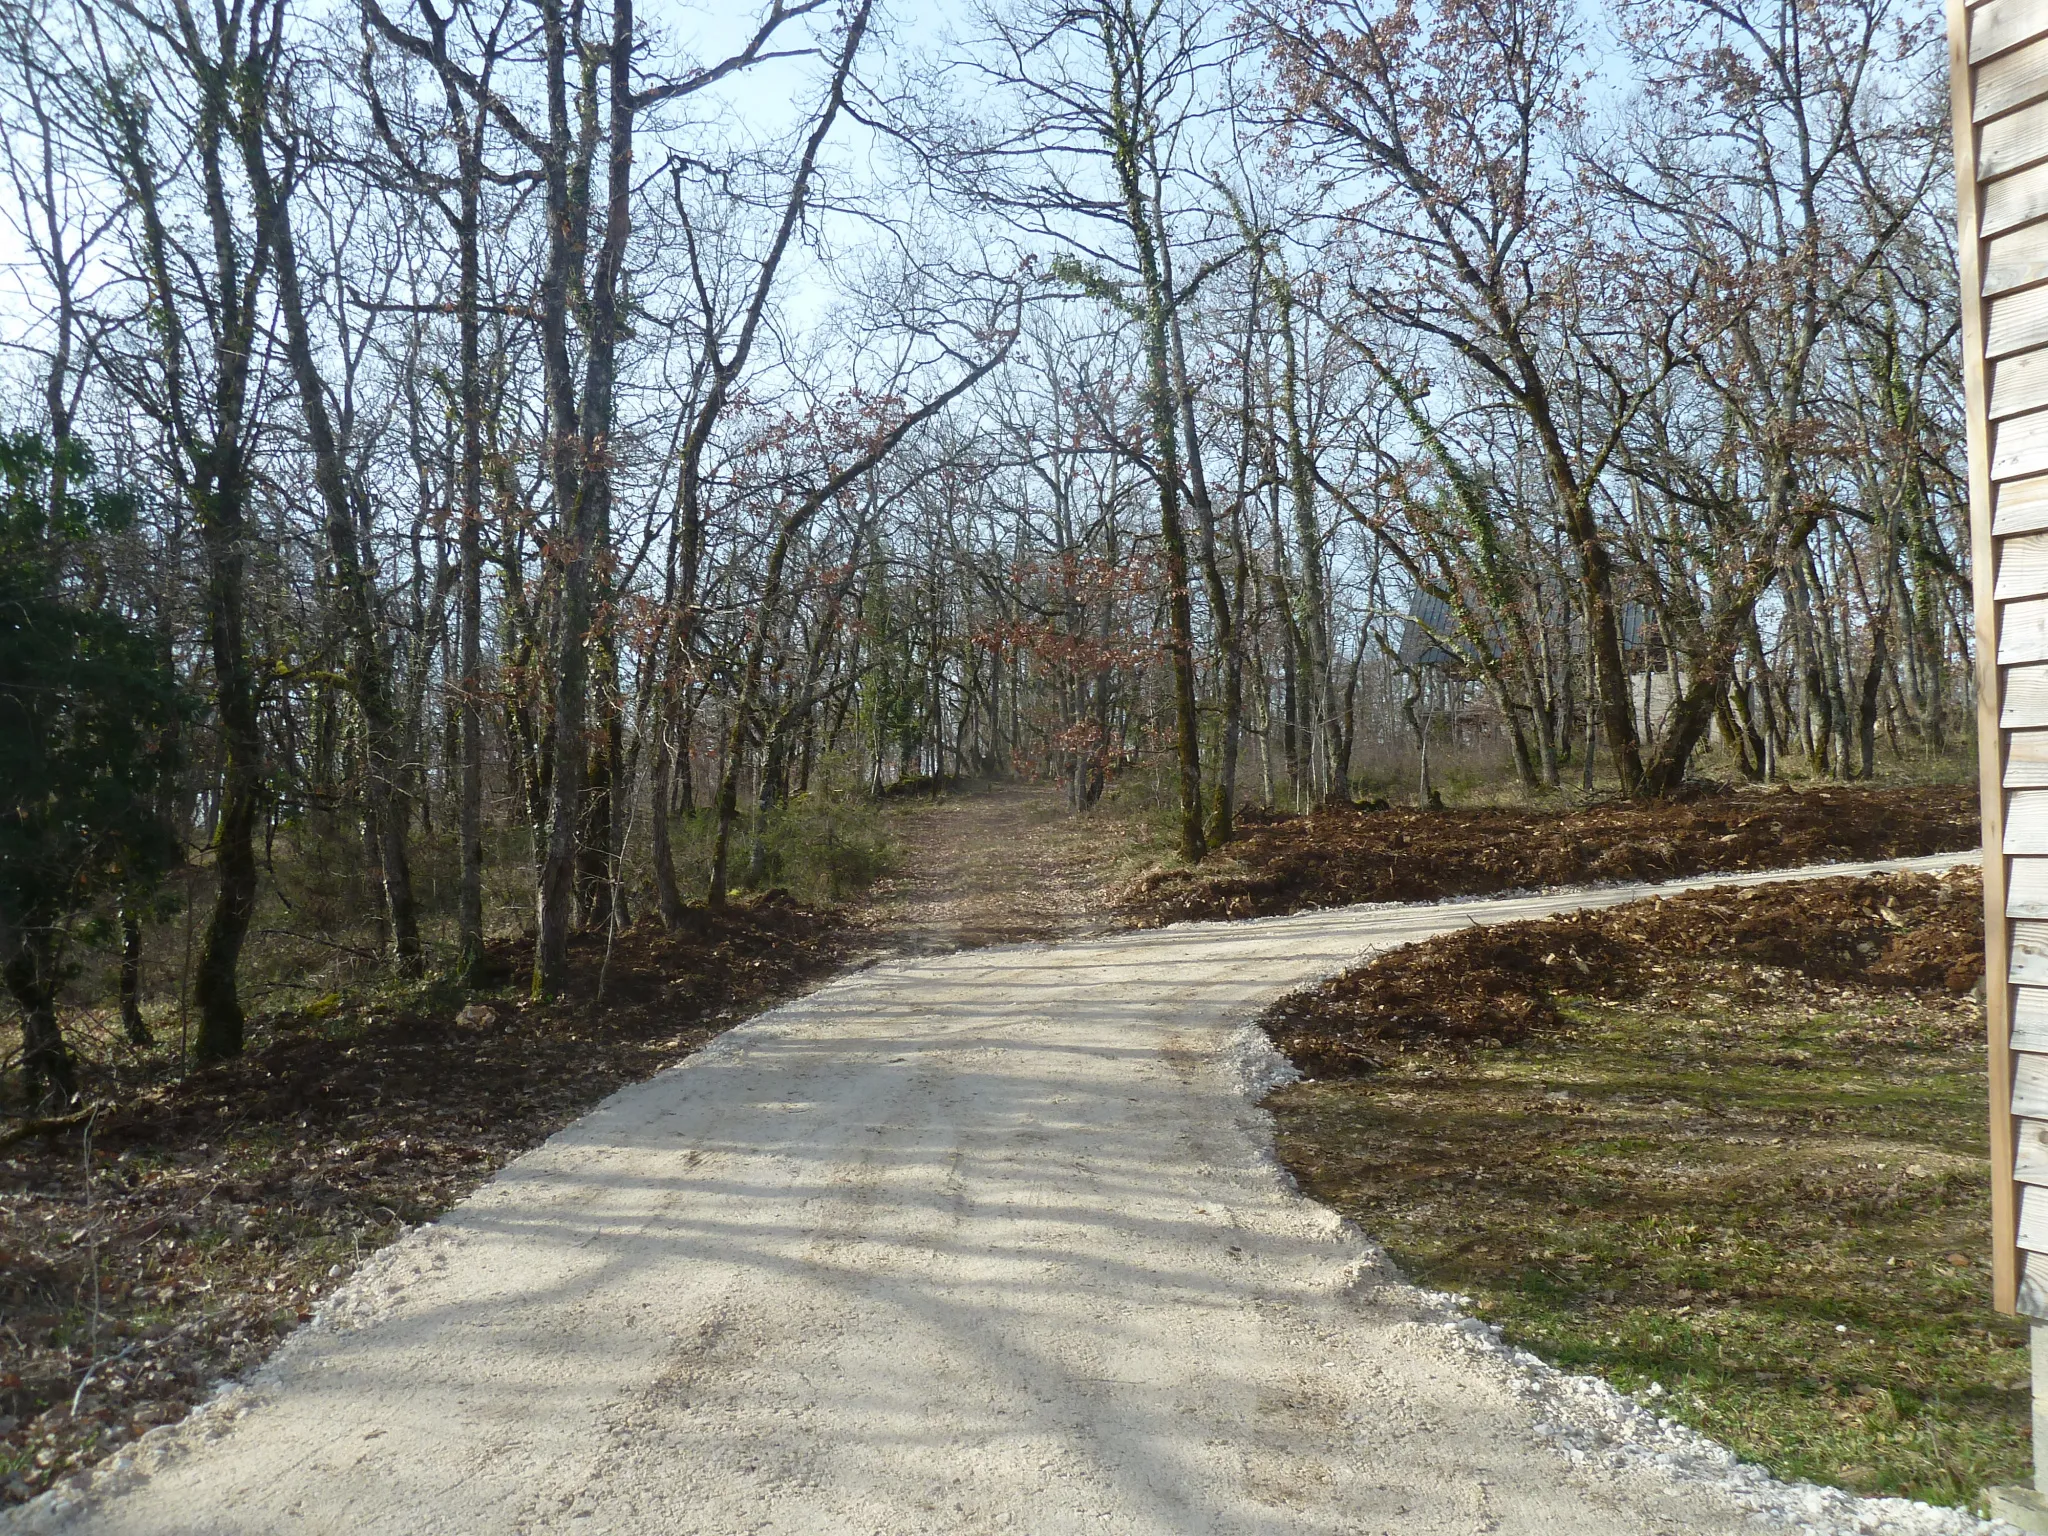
[(983, 1242)]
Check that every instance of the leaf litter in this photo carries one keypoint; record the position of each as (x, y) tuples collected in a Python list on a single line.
[(1345, 854), (192, 1222)]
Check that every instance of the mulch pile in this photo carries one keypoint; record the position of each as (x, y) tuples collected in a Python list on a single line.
[(1497, 985), (198, 1218), (1338, 856)]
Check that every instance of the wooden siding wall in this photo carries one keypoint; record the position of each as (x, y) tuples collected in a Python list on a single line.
[(1998, 56)]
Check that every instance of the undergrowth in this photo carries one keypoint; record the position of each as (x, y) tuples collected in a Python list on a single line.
[(823, 848)]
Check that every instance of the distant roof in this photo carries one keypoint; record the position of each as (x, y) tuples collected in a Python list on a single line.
[(1429, 635)]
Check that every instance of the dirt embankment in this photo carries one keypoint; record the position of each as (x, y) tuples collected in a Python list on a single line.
[(1498, 984), (196, 1219), (1338, 856)]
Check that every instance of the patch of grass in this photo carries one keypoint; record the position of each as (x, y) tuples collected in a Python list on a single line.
[(1761, 1200)]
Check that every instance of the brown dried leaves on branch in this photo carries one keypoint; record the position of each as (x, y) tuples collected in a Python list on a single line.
[(1498, 984), (1338, 856)]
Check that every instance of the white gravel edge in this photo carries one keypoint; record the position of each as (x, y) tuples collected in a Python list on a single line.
[(1584, 1418)]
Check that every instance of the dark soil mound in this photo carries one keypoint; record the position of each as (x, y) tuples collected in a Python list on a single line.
[(1339, 856), (1498, 984)]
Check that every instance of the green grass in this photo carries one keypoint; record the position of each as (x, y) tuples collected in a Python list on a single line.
[(1773, 1206)]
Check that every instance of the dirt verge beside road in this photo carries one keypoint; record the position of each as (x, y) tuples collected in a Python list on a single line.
[(1334, 857), (178, 1234), (1498, 985)]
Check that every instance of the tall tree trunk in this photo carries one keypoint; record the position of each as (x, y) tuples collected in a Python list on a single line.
[(33, 976), (132, 1023), (210, 463), (368, 680), (214, 991), (1223, 823), (1866, 715), (1127, 156), (595, 864), (668, 894), (1543, 716), (469, 906), (469, 118), (1221, 614), (575, 524), (1313, 623)]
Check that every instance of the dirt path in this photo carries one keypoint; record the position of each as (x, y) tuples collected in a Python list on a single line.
[(1003, 865), (977, 1243)]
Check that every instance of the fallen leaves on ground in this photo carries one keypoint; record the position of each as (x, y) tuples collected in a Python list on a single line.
[(1341, 855), (178, 1235), (1500, 983)]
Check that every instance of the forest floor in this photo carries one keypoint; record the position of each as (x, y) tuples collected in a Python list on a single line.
[(197, 1218), (1341, 855), (1725, 1148)]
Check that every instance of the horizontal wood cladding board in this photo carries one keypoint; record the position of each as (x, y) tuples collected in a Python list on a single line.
[(2020, 506), (2019, 445), (1998, 25), (2023, 631), (2026, 760), (2026, 698), (2030, 1152), (2011, 201), (2010, 81), (2020, 384), (2030, 1086), (2022, 566), (2034, 1219), (2026, 822), (2012, 143), (2030, 1019), (2028, 965), (2017, 260), (2032, 1300), (2016, 323), (2026, 888)]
